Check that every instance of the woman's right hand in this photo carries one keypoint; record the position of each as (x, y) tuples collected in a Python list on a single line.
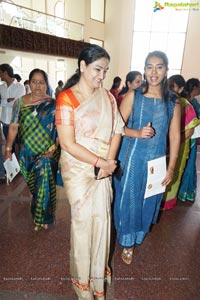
[(7, 155)]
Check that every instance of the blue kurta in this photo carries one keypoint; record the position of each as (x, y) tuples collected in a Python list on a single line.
[(133, 215)]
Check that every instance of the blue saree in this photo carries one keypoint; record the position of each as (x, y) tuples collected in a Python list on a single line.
[(133, 215)]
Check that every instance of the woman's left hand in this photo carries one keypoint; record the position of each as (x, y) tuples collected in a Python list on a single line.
[(146, 132), (168, 178)]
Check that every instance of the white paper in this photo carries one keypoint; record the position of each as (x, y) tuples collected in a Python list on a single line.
[(155, 175), (196, 133), (12, 168)]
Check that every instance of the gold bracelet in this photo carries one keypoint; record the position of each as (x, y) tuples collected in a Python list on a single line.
[(8, 149), (170, 170)]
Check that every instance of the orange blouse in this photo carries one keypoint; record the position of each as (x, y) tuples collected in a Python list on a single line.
[(65, 105)]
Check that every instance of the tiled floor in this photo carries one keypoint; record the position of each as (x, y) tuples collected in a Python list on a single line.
[(35, 266)]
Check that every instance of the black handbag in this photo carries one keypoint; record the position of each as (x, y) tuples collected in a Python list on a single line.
[(119, 171)]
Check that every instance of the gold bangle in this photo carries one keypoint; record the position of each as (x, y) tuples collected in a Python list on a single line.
[(8, 149)]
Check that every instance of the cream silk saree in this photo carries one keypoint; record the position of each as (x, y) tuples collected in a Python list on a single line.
[(95, 122)]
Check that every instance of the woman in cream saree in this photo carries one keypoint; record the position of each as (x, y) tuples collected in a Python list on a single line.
[(97, 127)]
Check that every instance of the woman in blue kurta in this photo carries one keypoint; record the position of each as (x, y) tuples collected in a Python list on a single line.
[(149, 114)]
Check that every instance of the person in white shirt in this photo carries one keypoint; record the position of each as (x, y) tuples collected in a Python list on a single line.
[(10, 90), (2, 171), (27, 86)]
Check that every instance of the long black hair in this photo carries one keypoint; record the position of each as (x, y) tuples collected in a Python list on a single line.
[(89, 54), (164, 88), (116, 80), (179, 81), (190, 85), (129, 78)]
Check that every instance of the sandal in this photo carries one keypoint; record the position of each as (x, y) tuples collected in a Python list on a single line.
[(42, 226), (45, 226), (37, 228), (127, 255)]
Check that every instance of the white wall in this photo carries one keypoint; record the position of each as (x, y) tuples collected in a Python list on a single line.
[(93, 29), (75, 10), (37, 5), (116, 33), (118, 37), (191, 60), (25, 3)]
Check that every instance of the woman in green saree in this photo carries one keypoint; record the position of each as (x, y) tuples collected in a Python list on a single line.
[(188, 187), (33, 119), (188, 122)]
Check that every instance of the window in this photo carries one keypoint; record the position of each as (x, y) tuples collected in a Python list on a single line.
[(58, 24), (59, 9), (97, 10), (60, 69), (162, 29)]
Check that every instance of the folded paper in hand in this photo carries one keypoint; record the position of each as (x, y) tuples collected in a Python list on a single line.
[(196, 133), (155, 174), (12, 168)]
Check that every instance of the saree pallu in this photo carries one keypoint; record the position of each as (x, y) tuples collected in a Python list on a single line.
[(94, 121), (90, 202), (188, 120), (37, 136), (188, 186)]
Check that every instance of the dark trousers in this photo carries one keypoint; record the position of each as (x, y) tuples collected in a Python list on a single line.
[(5, 132)]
